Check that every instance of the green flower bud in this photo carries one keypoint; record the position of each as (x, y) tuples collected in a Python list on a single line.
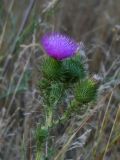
[(86, 91), (51, 68), (73, 69)]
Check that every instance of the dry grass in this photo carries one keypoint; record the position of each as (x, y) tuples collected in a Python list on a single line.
[(94, 136)]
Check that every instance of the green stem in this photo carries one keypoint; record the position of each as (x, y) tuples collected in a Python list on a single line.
[(68, 113), (49, 118), (39, 155)]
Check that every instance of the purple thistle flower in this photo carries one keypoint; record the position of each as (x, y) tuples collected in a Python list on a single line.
[(59, 46)]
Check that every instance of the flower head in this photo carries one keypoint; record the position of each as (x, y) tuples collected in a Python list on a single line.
[(59, 46)]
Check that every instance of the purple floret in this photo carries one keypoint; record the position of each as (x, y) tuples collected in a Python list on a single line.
[(59, 46)]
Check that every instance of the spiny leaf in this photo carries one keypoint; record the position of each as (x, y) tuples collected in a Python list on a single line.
[(41, 134), (43, 84), (56, 91)]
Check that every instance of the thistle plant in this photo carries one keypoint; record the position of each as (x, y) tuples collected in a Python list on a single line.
[(63, 72)]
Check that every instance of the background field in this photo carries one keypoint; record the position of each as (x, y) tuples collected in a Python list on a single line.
[(94, 22)]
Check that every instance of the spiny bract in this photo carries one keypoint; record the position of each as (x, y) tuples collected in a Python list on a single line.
[(51, 68), (85, 91)]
